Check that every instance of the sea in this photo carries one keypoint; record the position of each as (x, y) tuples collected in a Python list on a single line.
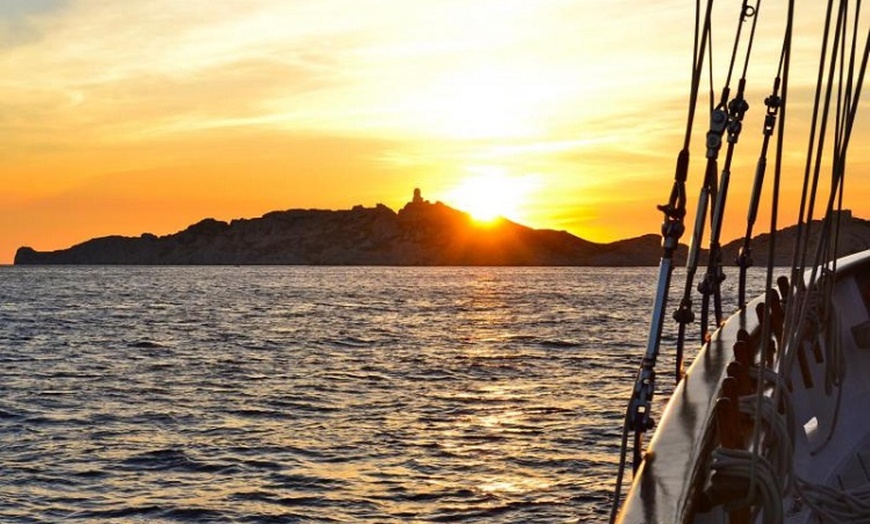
[(319, 394)]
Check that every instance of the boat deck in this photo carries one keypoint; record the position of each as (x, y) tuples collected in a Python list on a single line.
[(852, 477), (856, 473)]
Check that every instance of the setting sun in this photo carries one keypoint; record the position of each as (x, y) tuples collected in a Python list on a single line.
[(489, 194), (526, 110)]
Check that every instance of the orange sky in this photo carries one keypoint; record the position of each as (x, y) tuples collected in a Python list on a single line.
[(149, 115)]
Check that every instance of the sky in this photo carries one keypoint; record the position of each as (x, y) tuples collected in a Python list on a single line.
[(150, 115)]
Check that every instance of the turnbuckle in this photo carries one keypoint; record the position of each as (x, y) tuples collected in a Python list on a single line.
[(718, 123), (736, 110), (773, 103), (641, 419), (675, 209)]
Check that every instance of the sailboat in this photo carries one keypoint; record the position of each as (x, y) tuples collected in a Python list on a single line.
[(770, 423)]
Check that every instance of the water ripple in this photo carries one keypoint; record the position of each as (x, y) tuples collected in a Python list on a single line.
[(292, 394)]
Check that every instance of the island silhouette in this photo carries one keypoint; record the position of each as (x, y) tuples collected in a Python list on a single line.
[(422, 233)]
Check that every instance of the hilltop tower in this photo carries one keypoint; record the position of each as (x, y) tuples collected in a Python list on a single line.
[(418, 198)]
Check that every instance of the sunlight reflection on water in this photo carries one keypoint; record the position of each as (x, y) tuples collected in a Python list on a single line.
[(316, 394)]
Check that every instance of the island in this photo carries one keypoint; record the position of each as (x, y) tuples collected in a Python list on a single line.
[(422, 233)]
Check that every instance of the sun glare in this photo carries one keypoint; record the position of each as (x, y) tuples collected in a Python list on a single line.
[(483, 102), (489, 195)]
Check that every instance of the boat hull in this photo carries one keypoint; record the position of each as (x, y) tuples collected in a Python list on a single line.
[(829, 387)]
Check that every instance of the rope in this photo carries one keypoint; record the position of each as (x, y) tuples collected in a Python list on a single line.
[(773, 103), (774, 379), (797, 269), (799, 308), (827, 503), (637, 417), (764, 472), (785, 66), (724, 117), (623, 450), (733, 468), (736, 109), (779, 440), (836, 505), (818, 125)]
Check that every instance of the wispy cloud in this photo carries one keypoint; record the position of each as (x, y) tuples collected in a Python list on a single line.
[(19, 20), (587, 96)]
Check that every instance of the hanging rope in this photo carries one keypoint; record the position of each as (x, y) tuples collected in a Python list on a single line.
[(766, 323), (826, 503), (800, 309), (796, 319), (798, 260)]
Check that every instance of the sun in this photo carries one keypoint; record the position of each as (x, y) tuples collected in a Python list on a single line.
[(490, 195)]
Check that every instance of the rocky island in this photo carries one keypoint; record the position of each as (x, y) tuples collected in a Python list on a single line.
[(420, 234)]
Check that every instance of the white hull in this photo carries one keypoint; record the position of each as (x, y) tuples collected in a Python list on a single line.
[(829, 388)]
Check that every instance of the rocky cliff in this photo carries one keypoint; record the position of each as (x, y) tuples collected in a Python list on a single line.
[(420, 234), (854, 236)]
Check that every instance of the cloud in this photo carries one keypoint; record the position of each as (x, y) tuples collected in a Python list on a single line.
[(18, 24)]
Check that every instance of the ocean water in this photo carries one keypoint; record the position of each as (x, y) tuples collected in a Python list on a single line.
[(311, 394)]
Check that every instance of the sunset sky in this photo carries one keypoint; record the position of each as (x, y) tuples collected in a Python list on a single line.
[(148, 115)]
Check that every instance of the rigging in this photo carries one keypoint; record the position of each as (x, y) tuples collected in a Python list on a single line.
[(751, 472)]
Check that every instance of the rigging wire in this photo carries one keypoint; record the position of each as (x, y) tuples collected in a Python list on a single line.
[(799, 307), (824, 249), (823, 130), (637, 414), (843, 101), (766, 324), (826, 507), (798, 268), (798, 304), (773, 104), (736, 109), (726, 116)]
